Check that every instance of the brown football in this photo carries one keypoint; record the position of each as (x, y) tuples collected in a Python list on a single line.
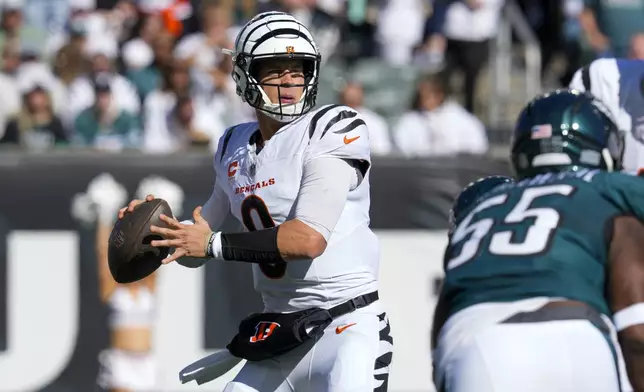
[(130, 255)]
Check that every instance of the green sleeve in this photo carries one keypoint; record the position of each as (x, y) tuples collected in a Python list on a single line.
[(625, 191)]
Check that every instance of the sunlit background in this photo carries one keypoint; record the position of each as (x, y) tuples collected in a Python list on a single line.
[(102, 101)]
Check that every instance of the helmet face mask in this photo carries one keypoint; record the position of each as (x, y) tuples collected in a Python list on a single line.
[(274, 36), (256, 92)]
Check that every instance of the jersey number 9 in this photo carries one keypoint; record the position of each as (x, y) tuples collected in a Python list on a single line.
[(537, 239), (255, 203)]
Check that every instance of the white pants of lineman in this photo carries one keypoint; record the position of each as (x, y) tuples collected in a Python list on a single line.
[(476, 352), (353, 355)]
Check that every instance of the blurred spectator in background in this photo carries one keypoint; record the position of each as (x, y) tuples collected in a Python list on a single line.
[(429, 55), (636, 50), (81, 91), (358, 32), (34, 70), (138, 57), (571, 35), (178, 15), (437, 125), (379, 138), (69, 61), (121, 20), (105, 125), (469, 27), (9, 93), (160, 102), (105, 28), (14, 30), (63, 44), (163, 48), (189, 126), (609, 25), (167, 119), (36, 127), (546, 17), (212, 87), (400, 29), (50, 15), (202, 51), (10, 58)]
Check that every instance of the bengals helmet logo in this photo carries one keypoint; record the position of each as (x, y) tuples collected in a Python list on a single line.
[(263, 330)]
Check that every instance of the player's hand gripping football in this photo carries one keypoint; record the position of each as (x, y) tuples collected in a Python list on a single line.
[(132, 204), (187, 240)]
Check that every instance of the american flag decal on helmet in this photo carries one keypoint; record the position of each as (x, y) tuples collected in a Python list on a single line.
[(541, 131)]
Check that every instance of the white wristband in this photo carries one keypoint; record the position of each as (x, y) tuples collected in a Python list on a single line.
[(217, 252), (629, 316)]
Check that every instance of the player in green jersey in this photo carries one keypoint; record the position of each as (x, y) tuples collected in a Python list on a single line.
[(535, 269)]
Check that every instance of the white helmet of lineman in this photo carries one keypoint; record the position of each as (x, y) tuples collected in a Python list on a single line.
[(273, 35)]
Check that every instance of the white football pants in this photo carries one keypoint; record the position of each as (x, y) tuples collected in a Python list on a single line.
[(553, 356), (353, 355)]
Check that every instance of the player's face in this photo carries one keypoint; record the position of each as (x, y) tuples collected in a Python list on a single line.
[(282, 80)]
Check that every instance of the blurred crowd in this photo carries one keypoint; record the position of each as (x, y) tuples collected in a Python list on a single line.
[(149, 75)]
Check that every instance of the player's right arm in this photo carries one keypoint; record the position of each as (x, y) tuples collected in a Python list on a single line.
[(625, 191), (626, 292), (626, 267)]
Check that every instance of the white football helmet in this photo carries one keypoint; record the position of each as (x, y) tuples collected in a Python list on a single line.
[(271, 35)]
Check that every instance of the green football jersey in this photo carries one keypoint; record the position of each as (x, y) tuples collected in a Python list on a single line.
[(543, 236)]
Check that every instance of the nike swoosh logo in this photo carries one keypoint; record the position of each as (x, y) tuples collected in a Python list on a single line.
[(350, 140), (339, 330)]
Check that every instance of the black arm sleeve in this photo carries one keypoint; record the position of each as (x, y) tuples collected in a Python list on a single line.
[(254, 247)]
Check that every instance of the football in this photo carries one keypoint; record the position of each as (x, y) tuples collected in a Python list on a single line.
[(130, 255)]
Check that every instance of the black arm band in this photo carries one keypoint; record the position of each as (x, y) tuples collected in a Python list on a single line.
[(254, 247)]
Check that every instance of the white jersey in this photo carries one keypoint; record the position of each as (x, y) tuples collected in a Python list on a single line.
[(262, 189), (619, 84)]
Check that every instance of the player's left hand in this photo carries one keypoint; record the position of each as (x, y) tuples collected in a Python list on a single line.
[(187, 240)]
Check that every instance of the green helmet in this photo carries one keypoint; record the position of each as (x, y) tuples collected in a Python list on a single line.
[(565, 130)]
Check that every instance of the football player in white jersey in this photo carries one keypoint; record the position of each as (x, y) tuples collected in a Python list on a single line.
[(619, 83), (298, 180)]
